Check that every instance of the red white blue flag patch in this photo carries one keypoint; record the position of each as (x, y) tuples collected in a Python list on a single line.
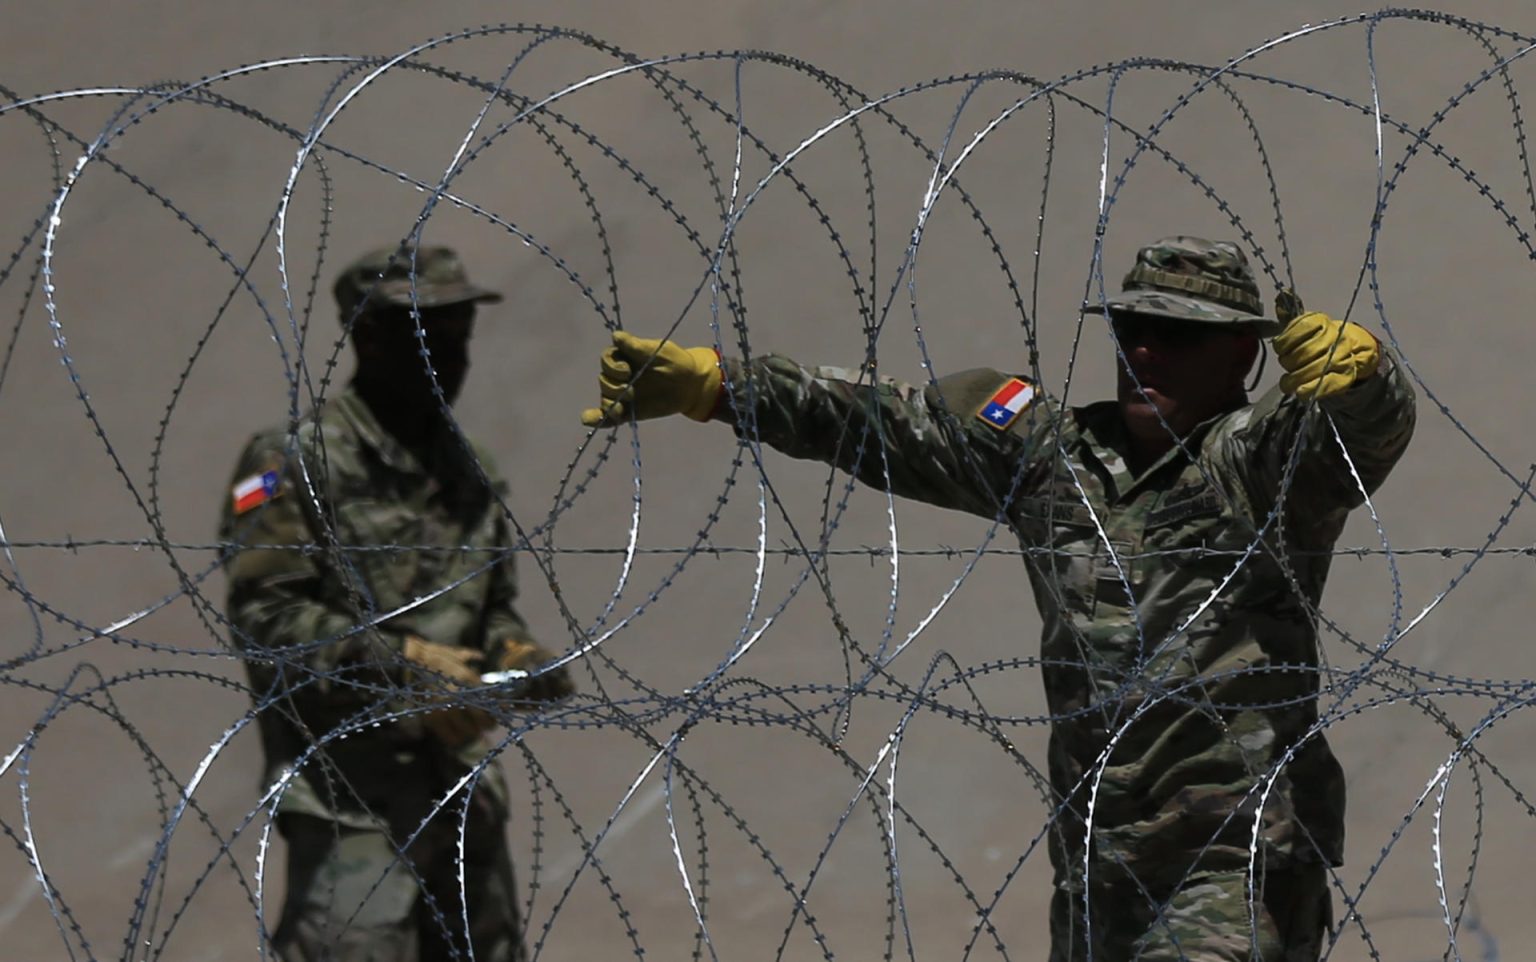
[(1007, 403), (255, 491)]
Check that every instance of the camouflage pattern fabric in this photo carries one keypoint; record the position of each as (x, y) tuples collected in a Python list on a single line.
[(406, 276), (1212, 918), (1180, 666), (322, 617), (1193, 279), (353, 897)]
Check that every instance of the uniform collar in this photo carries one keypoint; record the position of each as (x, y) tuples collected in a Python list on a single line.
[(444, 466), (351, 406), (1103, 436)]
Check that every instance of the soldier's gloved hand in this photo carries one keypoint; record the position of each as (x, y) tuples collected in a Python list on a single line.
[(1322, 355), (528, 656), (444, 669), (671, 380), (436, 664)]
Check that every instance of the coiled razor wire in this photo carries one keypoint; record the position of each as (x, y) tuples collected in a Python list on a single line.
[(583, 889)]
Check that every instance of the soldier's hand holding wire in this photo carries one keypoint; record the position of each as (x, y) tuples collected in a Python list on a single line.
[(443, 670), (644, 377), (548, 686), (1321, 355)]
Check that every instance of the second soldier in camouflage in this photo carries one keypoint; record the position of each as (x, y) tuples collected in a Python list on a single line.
[(370, 585)]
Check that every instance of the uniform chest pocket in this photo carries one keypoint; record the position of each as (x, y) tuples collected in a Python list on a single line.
[(1195, 528), (382, 540), (1068, 549)]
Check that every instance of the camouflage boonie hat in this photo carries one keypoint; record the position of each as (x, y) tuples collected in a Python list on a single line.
[(384, 277), (1193, 279)]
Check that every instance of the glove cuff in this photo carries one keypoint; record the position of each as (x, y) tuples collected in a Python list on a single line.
[(711, 387), (1371, 362)]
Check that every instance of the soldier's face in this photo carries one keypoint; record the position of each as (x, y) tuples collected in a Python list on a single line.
[(389, 350), (1186, 372)]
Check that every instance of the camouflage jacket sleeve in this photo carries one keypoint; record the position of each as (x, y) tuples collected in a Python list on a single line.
[(1374, 420), (502, 620), (921, 443), (285, 599)]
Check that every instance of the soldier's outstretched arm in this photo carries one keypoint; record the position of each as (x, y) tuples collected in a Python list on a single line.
[(931, 444), (1349, 375)]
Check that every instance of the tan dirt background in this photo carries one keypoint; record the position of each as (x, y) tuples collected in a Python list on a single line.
[(136, 292)]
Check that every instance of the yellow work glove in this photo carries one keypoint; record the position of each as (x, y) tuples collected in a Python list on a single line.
[(447, 668), (1322, 355), (673, 380), (527, 656)]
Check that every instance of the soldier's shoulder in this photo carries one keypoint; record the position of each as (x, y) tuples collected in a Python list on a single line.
[(1240, 422), (976, 381), (309, 432), (259, 477), (988, 396), (321, 436), (263, 451), (994, 403)]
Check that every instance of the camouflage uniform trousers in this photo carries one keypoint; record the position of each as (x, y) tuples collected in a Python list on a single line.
[(352, 898), (1206, 919)]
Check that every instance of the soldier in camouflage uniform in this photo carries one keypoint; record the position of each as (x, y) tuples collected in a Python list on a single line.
[(366, 634), (1177, 539)]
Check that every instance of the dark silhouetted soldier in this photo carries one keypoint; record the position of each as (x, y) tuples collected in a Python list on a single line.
[(389, 595)]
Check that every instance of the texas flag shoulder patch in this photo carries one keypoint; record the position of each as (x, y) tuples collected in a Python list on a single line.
[(254, 491), (1007, 403)]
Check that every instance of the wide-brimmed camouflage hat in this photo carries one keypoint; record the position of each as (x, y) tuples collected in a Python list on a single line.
[(1193, 279), (385, 277)]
